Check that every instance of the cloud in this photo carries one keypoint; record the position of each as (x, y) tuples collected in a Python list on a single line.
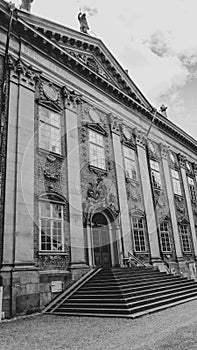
[(158, 44), (90, 10)]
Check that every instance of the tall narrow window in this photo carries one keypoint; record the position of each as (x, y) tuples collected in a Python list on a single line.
[(176, 182), (130, 164), (51, 226), (192, 189), (155, 174), (164, 236), (50, 131), (96, 146), (185, 238), (139, 234)]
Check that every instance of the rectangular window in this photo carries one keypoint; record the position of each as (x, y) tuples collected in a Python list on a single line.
[(96, 147), (155, 174), (192, 189), (138, 234), (185, 238), (50, 130), (176, 182), (51, 226), (130, 164), (164, 235)]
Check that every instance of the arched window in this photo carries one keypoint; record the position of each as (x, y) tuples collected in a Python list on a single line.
[(51, 224)]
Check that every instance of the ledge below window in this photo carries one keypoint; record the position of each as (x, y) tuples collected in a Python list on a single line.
[(98, 170), (50, 153), (56, 253)]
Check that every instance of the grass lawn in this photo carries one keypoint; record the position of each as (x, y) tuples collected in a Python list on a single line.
[(171, 329)]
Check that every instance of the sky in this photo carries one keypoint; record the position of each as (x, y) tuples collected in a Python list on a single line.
[(156, 40)]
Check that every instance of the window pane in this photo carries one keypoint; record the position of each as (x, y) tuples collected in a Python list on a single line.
[(57, 211), (45, 209), (154, 165), (129, 153), (175, 174), (177, 187)]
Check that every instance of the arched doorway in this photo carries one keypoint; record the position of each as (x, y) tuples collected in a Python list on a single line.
[(101, 241)]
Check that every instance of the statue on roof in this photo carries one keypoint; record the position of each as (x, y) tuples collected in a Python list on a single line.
[(83, 23), (26, 5)]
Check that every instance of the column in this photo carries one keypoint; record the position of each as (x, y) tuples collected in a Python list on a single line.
[(121, 187), (170, 194), (148, 200), (182, 160), (19, 195), (74, 182)]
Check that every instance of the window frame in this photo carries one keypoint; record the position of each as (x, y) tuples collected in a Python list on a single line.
[(185, 237), (139, 230), (100, 148), (130, 163), (52, 220), (51, 129), (155, 174), (192, 189), (165, 238), (176, 182)]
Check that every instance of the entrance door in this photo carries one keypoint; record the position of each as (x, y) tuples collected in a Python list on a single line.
[(101, 241)]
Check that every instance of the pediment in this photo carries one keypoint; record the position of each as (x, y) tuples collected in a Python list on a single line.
[(137, 213), (96, 127), (91, 52), (184, 221), (92, 63), (50, 104)]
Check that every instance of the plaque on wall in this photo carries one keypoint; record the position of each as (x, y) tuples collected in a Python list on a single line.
[(94, 116), (126, 133), (56, 286), (50, 92)]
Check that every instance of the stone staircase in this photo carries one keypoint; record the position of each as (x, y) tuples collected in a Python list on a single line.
[(126, 292)]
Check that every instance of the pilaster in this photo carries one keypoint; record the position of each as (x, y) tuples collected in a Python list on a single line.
[(169, 190), (121, 187), (19, 194), (182, 163), (74, 184), (148, 200)]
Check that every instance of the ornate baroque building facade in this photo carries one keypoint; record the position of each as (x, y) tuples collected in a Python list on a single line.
[(84, 180)]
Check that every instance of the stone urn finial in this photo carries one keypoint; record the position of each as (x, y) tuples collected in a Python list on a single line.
[(26, 5), (163, 110)]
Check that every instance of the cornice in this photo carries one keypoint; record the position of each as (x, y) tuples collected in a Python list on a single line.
[(37, 38)]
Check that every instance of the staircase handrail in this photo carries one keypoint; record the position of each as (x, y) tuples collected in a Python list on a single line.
[(71, 290), (130, 255)]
